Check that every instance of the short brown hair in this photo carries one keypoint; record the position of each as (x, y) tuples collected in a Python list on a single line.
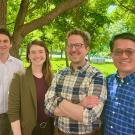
[(4, 31), (84, 34)]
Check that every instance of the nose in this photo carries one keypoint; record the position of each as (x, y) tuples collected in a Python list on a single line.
[(73, 48), (124, 55), (37, 55), (1, 44)]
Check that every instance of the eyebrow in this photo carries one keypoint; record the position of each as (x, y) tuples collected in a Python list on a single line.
[(5, 40), (37, 50)]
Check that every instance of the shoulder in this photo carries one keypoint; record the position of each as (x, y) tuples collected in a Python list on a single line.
[(95, 72), (15, 59), (19, 74), (64, 71), (61, 73), (111, 77)]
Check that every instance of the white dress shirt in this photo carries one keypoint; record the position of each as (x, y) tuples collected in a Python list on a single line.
[(7, 70)]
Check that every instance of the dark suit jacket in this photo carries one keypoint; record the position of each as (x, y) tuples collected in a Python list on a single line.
[(22, 101)]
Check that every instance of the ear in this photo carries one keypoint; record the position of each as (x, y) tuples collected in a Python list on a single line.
[(88, 48), (10, 45), (29, 56)]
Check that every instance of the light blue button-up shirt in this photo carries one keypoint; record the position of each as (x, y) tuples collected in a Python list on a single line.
[(7, 70)]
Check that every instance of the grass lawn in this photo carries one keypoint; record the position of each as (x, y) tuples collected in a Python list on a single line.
[(106, 68)]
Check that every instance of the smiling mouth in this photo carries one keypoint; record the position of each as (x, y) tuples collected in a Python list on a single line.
[(38, 59), (124, 62), (3, 48), (74, 54)]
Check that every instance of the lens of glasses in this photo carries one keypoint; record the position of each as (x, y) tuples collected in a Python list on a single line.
[(120, 52), (129, 52), (76, 45)]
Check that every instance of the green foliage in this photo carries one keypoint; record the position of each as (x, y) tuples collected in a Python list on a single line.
[(38, 8), (58, 64), (92, 16), (12, 10)]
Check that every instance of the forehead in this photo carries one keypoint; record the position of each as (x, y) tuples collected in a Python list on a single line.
[(124, 43), (75, 39), (4, 37), (36, 47)]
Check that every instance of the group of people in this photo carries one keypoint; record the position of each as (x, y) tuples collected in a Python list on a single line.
[(34, 101)]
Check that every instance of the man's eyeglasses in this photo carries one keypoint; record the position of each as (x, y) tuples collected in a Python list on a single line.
[(76, 45), (119, 52)]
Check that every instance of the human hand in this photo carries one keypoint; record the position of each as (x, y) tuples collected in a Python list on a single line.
[(90, 101)]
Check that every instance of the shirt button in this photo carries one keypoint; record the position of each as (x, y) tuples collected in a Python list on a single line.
[(113, 112), (122, 81), (111, 126)]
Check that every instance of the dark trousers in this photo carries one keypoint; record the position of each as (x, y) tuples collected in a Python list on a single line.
[(58, 132), (4, 124)]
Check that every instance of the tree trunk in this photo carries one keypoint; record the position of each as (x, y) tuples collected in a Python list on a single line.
[(16, 41), (61, 52), (66, 57), (3, 13)]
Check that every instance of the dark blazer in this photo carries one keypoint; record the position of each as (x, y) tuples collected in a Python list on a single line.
[(22, 101)]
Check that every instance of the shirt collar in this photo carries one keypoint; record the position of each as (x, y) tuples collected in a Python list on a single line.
[(80, 68), (10, 58), (128, 78)]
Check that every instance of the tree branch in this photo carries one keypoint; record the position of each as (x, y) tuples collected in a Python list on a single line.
[(21, 14), (44, 20)]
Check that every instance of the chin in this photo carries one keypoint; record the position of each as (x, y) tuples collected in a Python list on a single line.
[(76, 62), (127, 71), (37, 64)]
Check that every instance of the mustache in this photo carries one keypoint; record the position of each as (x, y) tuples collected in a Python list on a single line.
[(73, 52)]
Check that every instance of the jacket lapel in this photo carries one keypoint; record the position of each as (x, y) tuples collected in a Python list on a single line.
[(32, 87)]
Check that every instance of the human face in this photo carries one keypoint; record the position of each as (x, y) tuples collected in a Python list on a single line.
[(123, 55), (5, 44), (76, 50), (37, 55)]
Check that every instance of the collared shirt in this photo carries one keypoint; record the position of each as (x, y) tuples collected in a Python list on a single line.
[(113, 86), (7, 70), (74, 86), (120, 107)]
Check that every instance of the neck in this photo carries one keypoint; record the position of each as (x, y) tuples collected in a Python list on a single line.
[(37, 71), (4, 57), (123, 75), (76, 65)]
